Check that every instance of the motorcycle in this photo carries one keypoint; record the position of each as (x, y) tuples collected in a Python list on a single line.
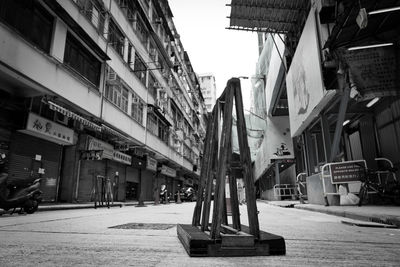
[(164, 197), (26, 198), (185, 194)]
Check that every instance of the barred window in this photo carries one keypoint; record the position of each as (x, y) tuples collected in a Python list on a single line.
[(142, 31), (81, 60), (116, 38), (140, 69), (118, 95), (137, 109), (157, 127)]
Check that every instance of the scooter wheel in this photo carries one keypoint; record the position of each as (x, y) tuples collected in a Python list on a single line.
[(31, 207)]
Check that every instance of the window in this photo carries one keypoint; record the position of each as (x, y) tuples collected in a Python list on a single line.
[(141, 30), (116, 38), (152, 123), (130, 48), (157, 127), (81, 60), (139, 69), (30, 19), (94, 11), (152, 86), (137, 108), (118, 95)]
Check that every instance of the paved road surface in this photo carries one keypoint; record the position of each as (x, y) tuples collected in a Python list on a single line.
[(83, 238)]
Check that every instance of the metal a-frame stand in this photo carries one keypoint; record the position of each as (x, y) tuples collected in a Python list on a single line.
[(220, 238)]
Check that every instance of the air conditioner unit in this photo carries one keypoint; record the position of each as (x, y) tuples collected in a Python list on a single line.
[(135, 100), (156, 84), (112, 76), (158, 21), (60, 118)]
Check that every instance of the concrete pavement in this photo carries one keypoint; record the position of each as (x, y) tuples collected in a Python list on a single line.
[(89, 237), (378, 214)]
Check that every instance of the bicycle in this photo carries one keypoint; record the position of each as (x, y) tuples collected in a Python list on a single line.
[(389, 189)]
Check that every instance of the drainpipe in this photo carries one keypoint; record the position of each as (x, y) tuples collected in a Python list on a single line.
[(105, 68)]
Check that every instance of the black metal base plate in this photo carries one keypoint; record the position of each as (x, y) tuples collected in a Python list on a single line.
[(199, 244)]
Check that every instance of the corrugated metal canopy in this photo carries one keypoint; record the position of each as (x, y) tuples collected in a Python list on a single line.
[(275, 16)]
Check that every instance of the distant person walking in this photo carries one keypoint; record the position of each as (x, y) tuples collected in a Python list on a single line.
[(241, 193)]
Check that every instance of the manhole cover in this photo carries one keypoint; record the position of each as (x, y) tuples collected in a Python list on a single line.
[(145, 226)]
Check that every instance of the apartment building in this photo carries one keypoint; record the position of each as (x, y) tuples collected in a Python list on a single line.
[(208, 89), (94, 88)]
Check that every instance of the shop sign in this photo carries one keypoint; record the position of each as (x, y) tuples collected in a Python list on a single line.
[(168, 171), (151, 164), (96, 144), (347, 171), (49, 130), (122, 157)]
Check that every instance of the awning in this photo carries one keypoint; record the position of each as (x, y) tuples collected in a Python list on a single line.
[(274, 16), (383, 26), (117, 134), (74, 116)]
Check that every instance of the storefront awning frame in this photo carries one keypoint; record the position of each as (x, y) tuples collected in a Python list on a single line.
[(283, 16)]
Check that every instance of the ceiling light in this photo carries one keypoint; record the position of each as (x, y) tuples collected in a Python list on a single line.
[(368, 46), (372, 102), (346, 122), (384, 10)]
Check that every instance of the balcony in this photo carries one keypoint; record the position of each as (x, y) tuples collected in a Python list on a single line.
[(50, 76)]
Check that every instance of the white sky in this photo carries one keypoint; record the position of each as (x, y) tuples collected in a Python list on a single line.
[(212, 48)]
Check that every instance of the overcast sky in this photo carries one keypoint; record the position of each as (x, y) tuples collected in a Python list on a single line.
[(212, 48)]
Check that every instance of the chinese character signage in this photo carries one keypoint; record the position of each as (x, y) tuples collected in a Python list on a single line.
[(49, 130), (122, 157), (96, 144), (151, 164), (168, 171), (347, 171)]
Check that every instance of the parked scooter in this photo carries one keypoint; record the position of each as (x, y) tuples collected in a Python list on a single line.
[(164, 197), (26, 198)]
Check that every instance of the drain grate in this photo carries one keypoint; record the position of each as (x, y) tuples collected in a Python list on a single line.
[(144, 226)]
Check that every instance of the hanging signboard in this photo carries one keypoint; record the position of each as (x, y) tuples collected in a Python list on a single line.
[(122, 157), (168, 171), (305, 88), (49, 130), (151, 164), (96, 144)]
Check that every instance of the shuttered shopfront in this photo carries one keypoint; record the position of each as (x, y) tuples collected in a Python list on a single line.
[(27, 155)]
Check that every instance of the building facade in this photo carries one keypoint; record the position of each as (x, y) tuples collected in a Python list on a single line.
[(339, 68), (209, 90), (92, 88)]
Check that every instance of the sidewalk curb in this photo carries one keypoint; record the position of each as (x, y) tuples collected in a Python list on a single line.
[(385, 219), (88, 206)]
